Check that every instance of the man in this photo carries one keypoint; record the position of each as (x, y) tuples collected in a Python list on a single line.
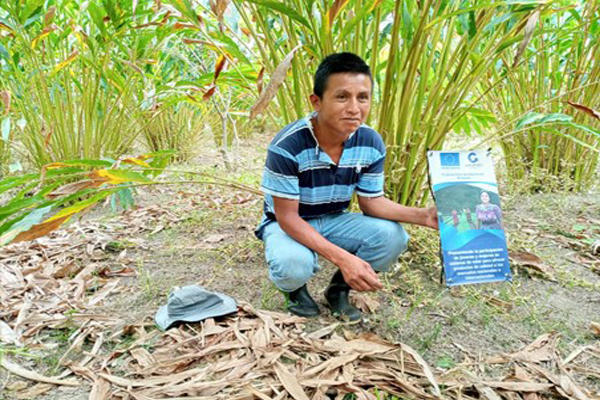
[(313, 167)]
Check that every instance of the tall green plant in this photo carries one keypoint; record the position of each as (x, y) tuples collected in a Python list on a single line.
[(427, 58), (71, 81), (214, 71), (85, 74), (179, 128), (546, 103)]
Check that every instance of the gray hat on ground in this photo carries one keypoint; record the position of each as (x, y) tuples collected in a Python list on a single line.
[(192, 304)]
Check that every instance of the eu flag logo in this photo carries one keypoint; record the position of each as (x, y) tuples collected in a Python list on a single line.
[(450, 159)]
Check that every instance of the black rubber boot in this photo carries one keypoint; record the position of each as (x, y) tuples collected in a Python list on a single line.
[(300, 303), (337, 299)]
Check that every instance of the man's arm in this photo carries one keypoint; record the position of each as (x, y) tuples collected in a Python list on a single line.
[(357, 272), (384, 208)]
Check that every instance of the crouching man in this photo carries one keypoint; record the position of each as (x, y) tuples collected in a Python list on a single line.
[(313, 167)]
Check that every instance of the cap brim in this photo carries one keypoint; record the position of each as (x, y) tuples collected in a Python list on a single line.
[(163, 321)]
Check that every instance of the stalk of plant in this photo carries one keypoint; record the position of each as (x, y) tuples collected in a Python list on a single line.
[(426, 57), (178, 128), (84, 76), (552, 91)]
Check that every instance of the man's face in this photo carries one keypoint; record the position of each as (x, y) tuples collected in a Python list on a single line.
[(345, 104)]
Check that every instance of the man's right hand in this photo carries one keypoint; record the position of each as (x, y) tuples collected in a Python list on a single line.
[(359, 274)]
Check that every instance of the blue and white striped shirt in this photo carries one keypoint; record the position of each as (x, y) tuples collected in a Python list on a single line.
[(298, 169)]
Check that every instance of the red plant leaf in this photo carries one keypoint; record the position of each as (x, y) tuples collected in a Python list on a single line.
[(589, 111), (219, 66), (209, 93)]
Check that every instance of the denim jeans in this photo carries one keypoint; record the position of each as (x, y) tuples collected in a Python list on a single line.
[(377, 241)]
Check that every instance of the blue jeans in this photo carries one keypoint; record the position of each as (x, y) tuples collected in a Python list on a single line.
[(377, 241)]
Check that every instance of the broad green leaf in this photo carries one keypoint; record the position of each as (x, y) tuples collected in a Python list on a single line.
[(575, 139), (111, 11), (30, 7), (482, 114), (555, 117), (283, 9), (587, 129), (80, 206), (124, 197), (60, 218), (19, 204), (13, 182), (49, 203), (187, 9), (98, 18), (479, 6), (529, 119), (21, 201), (508, 42)]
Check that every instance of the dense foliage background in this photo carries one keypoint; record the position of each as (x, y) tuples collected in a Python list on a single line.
[(99, 81)]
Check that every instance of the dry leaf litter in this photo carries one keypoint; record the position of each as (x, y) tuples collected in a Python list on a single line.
[(254, 354)]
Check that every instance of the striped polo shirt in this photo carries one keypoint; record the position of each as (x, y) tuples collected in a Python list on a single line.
[(298, 169)]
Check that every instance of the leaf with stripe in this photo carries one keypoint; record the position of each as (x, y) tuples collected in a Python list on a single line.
[(116, 176)]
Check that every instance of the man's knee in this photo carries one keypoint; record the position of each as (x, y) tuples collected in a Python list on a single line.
[(387, 244), (390, 235), (290, 270), (398, 238)]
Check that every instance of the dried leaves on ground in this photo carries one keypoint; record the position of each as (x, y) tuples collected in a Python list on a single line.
[(48, 283), (56, 282), (267, 355)]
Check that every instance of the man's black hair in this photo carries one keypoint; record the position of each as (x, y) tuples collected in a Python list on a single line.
[(339, 63)]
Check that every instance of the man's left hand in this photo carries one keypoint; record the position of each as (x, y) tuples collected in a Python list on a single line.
[(431, 218)]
